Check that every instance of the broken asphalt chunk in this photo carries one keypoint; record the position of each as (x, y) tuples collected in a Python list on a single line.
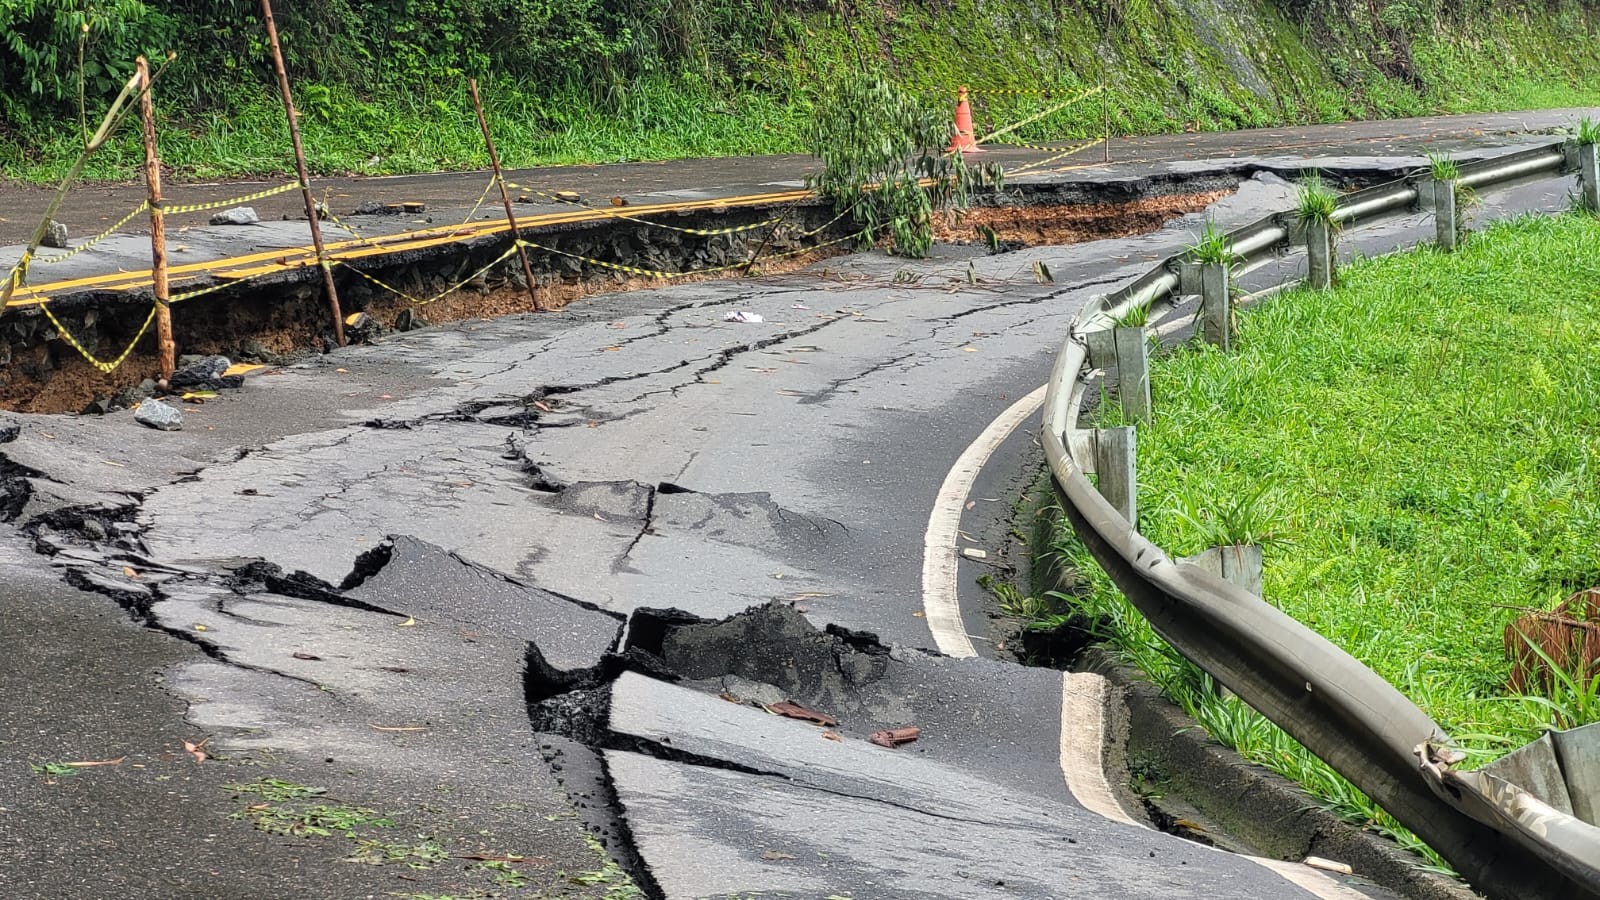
[(158, 415), (894, 737), (795, 711)]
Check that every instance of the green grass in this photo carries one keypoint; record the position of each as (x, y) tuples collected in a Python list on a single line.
[(1425, 442), (1166, 72), (1212, 246), (1442, 168), (1315, 201)]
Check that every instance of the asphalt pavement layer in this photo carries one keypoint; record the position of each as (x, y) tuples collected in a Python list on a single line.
[(358, 573)]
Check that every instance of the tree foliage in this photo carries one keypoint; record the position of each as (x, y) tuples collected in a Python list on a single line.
[(369, 46), (883, 161)]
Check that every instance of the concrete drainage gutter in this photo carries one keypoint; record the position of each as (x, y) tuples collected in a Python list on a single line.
[(1504, 838)]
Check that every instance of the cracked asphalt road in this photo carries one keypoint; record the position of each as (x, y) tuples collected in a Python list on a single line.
[(361, 572)]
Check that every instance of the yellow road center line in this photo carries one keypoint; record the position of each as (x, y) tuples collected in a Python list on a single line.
[(270, 261)]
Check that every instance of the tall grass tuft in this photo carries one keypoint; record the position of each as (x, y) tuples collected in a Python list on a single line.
[(1315, 201), (1588, 131), (1213, 246)]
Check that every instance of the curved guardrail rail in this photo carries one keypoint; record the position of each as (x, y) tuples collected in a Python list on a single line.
[(1504, 839)]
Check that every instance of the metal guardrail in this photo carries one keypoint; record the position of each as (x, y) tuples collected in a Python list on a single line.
[(1505, 839)]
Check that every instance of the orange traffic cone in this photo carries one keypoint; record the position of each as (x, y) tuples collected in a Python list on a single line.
[(964, 140)]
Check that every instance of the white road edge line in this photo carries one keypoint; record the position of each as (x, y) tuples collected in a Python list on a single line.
[(1083, 698), (939, 552), (1083, 740), (1083, 694)]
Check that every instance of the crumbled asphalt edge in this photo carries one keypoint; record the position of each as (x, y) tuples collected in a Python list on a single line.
[(92, 544), (571, 711)]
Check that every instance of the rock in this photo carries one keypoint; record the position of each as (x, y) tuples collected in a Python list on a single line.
[(201, 373), (93, 530), (379, 208), (159, 416), (132, 396), (55, 235), (253, 350), (99, 406), (359, 328), (409, 320), (239, 215)]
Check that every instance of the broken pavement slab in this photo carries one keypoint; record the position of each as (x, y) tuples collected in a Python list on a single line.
[(719, 795), (435, 586), (847, 817)]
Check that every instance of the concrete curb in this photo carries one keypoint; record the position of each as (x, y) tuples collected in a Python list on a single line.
[(1259, 806), (1264, 809)]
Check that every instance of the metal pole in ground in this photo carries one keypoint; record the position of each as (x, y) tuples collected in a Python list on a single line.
[(166, 349), (1105, 106), (1105, 89), (300, 167), (505, 198)]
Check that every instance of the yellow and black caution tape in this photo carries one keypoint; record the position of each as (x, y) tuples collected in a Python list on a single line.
[(442, 294), (1015, 92), (1047, 148), (828, 224), (701, 232), (1030, 168), (329, 215), (180, 209), (481, 198), (102, 365), (1051, 110), (61, 257), (142, 208)]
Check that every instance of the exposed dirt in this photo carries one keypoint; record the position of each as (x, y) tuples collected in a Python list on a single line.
[(284, 322), (54, 378), (1071, 224)]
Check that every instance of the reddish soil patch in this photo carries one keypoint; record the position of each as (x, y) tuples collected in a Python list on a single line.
[(53, 378), (1071, 224)]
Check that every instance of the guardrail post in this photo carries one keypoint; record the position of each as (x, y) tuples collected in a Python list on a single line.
[(1133, 372), (1589, 176), (1216, 304), (1319, 254), (1115, 457), (1237, 564), (1444, 214)]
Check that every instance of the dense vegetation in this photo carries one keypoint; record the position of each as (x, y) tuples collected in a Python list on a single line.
[(1418, 448), (382, 81)]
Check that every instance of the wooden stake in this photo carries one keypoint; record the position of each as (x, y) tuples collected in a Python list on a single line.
[(166, 348), (300, 167), (505, 198)]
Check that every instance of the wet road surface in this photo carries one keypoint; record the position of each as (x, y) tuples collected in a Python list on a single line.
[(379, 563)]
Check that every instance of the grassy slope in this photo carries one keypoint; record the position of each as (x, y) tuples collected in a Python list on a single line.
[(1173, 65), (1429, 435)]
